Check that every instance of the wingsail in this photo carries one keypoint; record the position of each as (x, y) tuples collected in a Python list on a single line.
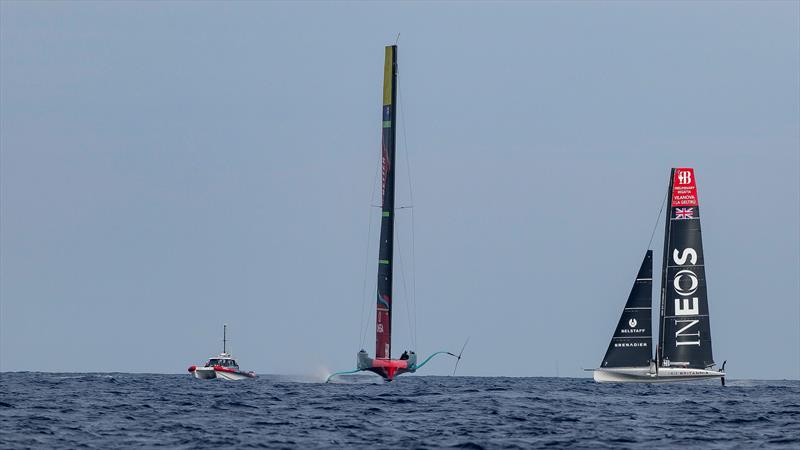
[(383, 318)]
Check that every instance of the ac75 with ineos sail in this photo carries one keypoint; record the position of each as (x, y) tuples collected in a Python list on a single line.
[(683, 348)]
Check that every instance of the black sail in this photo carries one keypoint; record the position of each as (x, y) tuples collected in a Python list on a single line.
[(630, 345), (383, 317), (685, 332)]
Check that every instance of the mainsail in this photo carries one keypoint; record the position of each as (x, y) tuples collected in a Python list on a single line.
[(630, 345), (383, 318), (685, 332)]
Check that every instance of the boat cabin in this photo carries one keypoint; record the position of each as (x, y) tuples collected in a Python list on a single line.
[(223, 361)]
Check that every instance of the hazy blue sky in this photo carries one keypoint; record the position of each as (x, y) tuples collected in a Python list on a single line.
[(166, 168)]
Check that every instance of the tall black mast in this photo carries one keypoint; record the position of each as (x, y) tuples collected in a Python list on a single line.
[(383, 318), (663, 296)]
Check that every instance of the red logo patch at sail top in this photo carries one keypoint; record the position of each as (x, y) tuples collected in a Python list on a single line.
[(684, 188)]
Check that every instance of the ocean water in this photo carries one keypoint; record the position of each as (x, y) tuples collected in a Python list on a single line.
[(118, 410)]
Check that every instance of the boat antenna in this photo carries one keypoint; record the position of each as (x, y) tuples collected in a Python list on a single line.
[(397, 39), (224, 338)]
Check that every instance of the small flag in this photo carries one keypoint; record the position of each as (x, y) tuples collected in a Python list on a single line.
[(684, 213)]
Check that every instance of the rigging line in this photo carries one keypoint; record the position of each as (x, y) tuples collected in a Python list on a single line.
[(652, 235), (405, 289), (401, 107), (364, 297), (414, 279), (658, 218), (364, 324)]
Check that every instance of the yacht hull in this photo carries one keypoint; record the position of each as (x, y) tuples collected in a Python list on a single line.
[(643, 375), (387, 368)]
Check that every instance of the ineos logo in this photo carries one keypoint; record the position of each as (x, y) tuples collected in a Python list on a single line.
[(677, 283), (686, 305), (684, 177)]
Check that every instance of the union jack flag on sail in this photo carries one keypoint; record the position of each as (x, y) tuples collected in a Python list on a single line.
[(684, 213)]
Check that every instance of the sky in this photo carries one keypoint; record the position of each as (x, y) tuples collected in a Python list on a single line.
[(166, 168)]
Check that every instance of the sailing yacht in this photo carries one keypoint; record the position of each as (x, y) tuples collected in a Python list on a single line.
[(383, 364), (683, 349)]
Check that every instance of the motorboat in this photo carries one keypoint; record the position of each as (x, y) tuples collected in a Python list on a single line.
[(223, 366)]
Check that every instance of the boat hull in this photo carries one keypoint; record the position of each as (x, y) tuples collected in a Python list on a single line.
[(387, 368), (219, 372), (644, 375), (204, 373), (234, 376)]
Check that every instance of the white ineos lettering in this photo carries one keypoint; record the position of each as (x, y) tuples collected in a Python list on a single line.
[(681, 333), (680, 259), (677, 282), (686, 309), (686, 306)]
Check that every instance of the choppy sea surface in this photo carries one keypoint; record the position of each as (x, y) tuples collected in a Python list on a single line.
[(118, 410)]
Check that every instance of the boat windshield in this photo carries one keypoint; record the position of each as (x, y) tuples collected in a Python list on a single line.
[(221, 362)]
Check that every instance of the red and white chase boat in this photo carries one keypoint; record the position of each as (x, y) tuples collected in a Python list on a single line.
[(222, 366)]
